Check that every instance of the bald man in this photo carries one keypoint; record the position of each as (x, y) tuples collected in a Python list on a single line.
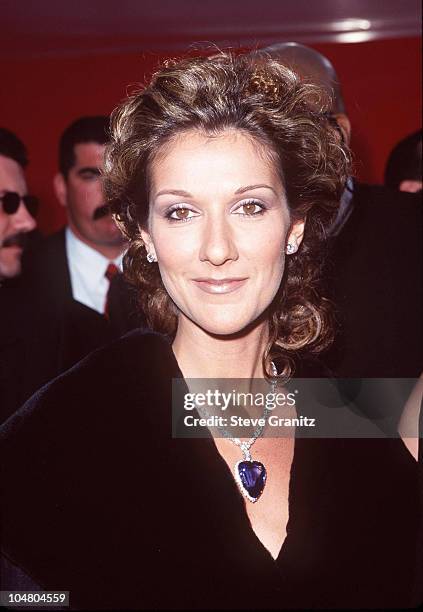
[(314, 67), (375, 267)]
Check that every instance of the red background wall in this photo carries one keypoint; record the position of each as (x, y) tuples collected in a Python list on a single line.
[(40, 97)]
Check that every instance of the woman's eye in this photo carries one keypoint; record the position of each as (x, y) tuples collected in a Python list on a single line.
[(250, 209), (182, 213)]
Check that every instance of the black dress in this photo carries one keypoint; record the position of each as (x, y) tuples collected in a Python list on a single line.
[(101, 501)]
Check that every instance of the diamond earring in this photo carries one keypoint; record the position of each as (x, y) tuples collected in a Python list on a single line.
[(151, 258), (291, 248)]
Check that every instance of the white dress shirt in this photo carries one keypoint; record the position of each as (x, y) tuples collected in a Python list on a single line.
[(87, 269)]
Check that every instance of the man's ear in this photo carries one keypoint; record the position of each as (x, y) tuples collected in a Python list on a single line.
[(148, 242), (60, 188), (345, 126)]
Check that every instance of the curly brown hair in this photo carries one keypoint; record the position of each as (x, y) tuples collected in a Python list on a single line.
[(290, 119)]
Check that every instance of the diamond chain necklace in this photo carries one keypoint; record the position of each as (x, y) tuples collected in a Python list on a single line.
[(251, 475)]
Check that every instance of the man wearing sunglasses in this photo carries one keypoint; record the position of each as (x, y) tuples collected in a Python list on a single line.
[(17, 208)]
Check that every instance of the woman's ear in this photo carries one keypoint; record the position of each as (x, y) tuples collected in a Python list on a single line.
[(146, 237), (295, 236)]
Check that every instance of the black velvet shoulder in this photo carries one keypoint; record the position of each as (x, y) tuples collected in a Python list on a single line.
[(75, 458), (140, 360)]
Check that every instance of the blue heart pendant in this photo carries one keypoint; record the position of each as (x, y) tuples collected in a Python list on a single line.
[(251, 478)]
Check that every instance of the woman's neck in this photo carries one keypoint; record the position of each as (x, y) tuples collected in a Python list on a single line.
[(201, 355)]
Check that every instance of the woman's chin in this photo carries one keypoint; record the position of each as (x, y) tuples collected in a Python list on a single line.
[(226, 327)]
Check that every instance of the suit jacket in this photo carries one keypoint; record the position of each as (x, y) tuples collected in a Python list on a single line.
[(99, 499), (375, 277), (15, 312), (56, 331)]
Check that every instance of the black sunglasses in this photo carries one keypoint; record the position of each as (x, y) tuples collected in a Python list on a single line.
[(12, 200)]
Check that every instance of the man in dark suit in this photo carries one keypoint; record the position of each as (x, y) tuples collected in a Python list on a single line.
[(17, 208), (17, 222), (375, 264), (79, 300), (74, 261)]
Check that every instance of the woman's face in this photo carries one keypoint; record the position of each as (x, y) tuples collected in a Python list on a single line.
[(218, 225)]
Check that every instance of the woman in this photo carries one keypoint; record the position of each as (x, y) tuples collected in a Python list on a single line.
[(224, 174)]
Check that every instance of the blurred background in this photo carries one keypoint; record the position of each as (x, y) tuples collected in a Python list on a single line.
[(61, 60)]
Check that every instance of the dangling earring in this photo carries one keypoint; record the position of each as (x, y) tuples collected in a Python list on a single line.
[(151, 258), (291, 248)]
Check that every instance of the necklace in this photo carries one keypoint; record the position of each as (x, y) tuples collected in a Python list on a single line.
[(251, 475)]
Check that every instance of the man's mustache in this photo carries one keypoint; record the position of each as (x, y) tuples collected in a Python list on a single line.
[(19, 239), (101, 211)]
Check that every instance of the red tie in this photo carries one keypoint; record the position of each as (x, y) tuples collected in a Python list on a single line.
[(110, 273)]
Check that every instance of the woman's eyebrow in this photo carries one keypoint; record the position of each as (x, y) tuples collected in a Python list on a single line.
[(251, 187), (178, 192), (186, 194)]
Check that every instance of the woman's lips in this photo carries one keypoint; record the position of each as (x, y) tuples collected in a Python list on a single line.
[(225, 285)]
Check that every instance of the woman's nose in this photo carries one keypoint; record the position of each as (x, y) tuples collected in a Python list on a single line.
[(218, 243)]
